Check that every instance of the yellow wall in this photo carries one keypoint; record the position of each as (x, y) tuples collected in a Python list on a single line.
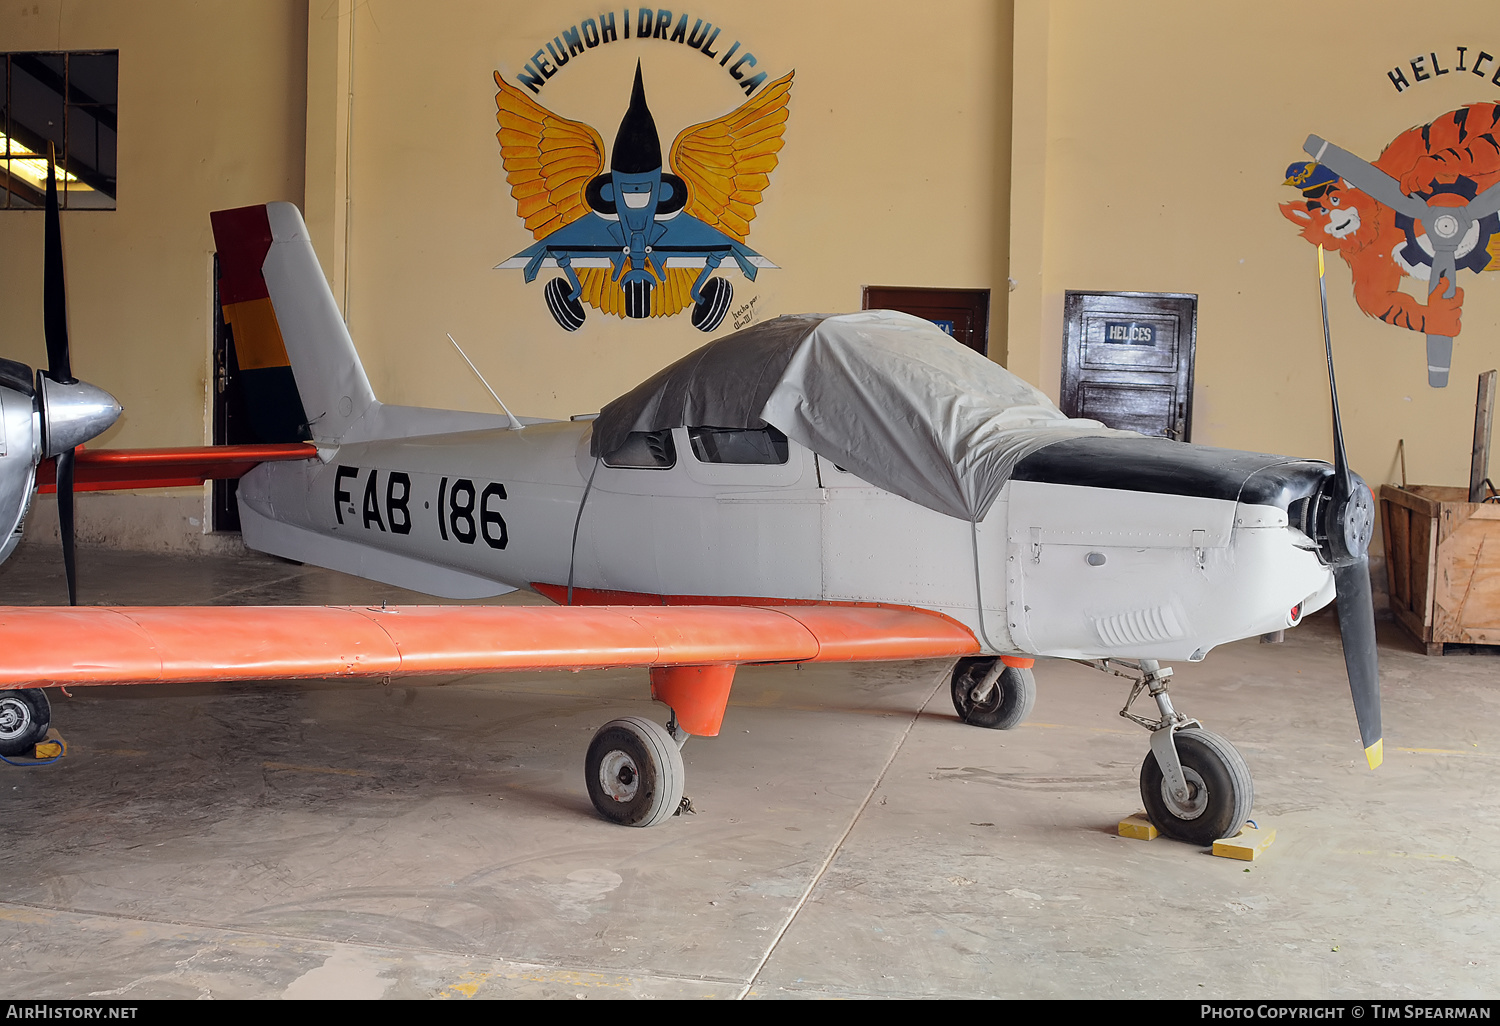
[(1151, 142), (893, 173), (1072, 144), (211, 108)]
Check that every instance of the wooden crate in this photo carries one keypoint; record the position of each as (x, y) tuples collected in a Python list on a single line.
[(1442, 556)]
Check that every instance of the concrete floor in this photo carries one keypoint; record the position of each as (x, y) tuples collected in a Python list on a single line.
[(852, 839)]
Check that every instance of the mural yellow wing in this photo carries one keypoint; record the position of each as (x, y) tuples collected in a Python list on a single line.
[(548, 160), (673, 293), (727, 162)]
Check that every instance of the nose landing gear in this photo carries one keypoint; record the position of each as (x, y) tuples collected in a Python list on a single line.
[(1195, 784)]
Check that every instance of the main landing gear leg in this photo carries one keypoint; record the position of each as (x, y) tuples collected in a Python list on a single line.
[(1195, 785), (989, 692), (634, 769)]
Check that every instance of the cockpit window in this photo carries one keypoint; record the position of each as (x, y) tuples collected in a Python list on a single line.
[(721, 445), (645, 450)]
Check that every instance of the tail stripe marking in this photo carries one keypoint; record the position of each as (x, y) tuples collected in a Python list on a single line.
[(243, 238)]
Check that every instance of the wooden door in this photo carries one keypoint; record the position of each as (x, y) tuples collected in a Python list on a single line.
[(962, 313), (1128, 360)]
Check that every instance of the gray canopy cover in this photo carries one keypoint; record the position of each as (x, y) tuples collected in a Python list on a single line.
[(887, 396)]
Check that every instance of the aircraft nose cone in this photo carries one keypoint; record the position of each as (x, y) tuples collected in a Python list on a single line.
[(74, 413)]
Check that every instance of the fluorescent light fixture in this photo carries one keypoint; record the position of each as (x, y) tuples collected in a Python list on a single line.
[(31, 167)]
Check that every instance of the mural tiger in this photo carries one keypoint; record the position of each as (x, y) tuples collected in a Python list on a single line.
[(1458, 155)]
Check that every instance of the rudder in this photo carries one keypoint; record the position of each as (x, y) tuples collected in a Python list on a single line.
[(303, 379)]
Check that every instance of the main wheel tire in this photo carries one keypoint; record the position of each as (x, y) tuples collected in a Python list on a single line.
[(638, 299), (1010, 700), (709, 311), (634, 772), (1220, 790), (24, 718), (566, 312)]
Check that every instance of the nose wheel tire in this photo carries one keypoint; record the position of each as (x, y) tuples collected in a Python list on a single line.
[(1008, 703), (638, 299), (1220, 791), (24, 717), (567, 312), (634, 772)]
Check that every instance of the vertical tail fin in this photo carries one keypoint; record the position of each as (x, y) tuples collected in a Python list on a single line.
[(302, 377)]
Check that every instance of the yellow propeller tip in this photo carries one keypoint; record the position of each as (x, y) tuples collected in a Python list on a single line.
[(1375, 754), (1320, 261)]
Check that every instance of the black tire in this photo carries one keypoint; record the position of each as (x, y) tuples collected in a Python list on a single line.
[(708, 312), (638, 299), (25, 716), (1010, 699), (566, 312), (1219, 786), (634, 772)]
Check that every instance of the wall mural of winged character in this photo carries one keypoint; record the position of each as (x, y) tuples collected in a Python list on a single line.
[(639, 240), (1426, 208)]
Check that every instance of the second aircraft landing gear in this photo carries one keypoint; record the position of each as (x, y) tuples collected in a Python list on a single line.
[(1195, 785), (24, 717)]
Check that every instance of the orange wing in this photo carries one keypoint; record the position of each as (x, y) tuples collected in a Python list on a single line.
[(548, 160), (727, 162), (161, 644), (166, 644), (692, 650)]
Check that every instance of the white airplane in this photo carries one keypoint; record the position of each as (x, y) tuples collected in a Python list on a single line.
[(811, 488)]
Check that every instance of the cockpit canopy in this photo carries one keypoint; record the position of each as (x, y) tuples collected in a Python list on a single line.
[(884, 395)]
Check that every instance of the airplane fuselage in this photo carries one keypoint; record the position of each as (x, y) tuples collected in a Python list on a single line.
[(1074, 570)]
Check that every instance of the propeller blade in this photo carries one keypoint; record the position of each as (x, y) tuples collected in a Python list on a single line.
[(65, 521), (1444, 267), (1486, 203), (1356, 608), (1364, 176), (1340, 458), (1350, 524), (54, 287)]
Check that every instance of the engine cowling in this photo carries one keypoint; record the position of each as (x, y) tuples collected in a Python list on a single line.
[(20, 450)]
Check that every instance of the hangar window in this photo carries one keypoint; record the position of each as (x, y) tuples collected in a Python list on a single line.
[(68, 99), (758, 445), (645, 450)]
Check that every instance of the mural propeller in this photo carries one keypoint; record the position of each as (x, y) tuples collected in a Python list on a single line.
[(1447, 228)]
